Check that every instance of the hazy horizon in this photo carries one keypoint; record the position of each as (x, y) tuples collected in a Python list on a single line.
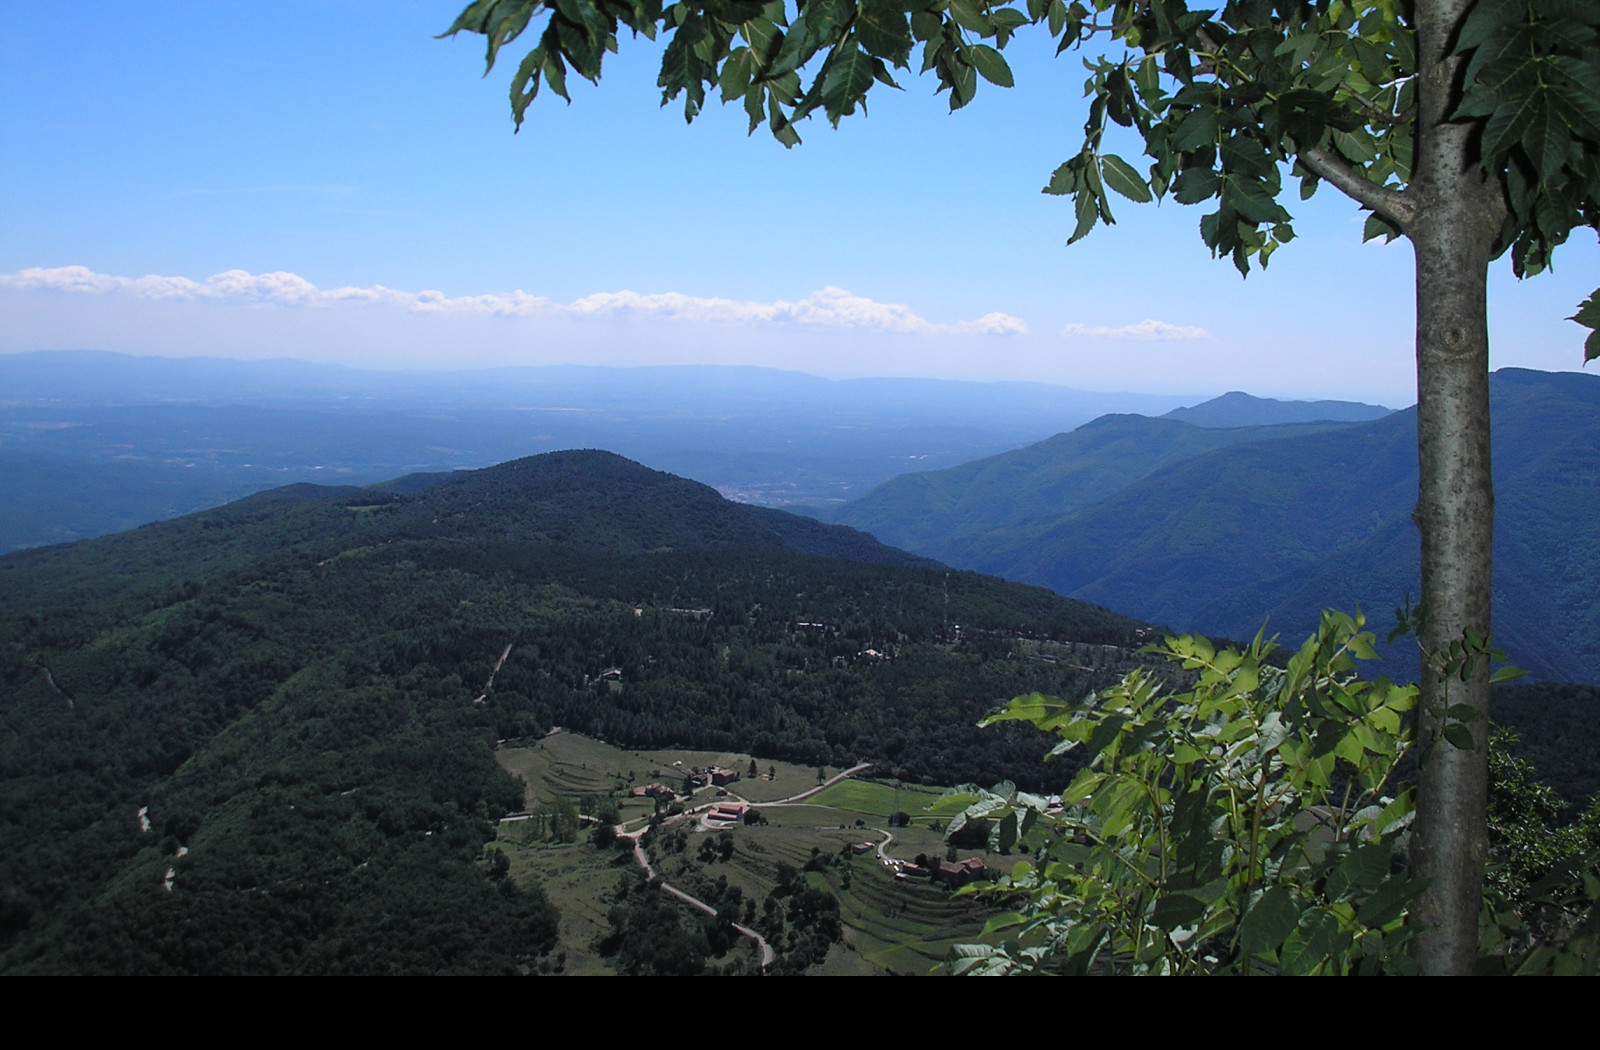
[(335, 185)]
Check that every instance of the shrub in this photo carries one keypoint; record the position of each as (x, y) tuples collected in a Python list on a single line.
[(1247, 824)]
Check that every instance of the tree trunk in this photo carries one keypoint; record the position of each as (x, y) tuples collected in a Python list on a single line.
[(1460, 214)]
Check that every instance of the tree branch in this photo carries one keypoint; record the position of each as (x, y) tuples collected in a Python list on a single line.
[(1398, 206), (1379, 113)]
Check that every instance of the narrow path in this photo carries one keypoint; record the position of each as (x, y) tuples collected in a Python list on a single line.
[(50, 680), (768, 956), (888, 837), (497, 665), (859, 767)]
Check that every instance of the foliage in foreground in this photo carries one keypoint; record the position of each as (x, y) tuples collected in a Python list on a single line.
[(1250, 825), (1246, 825), (1540, 914)]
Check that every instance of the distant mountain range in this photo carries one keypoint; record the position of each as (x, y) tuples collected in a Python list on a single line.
[(1218, 528), (104, 442)]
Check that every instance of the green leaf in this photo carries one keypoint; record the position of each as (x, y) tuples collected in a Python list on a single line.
[(1269, 921), (1197, 129), (1194, 185), (1589, 311), (1588, 315), (555, 74), (1243, 155), (1545, 139), (1388, 902), (1378, 226), (969, 17), (1106, 732), (1253, 200), (991, 64), (1122, 177), (970, 958), (1317, 938), (1064, 180), (1088, 212), (1360, 872), (1007, 831), (1485, 21), (962, 78), (734, 81), (828, 18), (1175, 910), (1004, 921), (845, 81), (763, 36), (1504, 126), (797, 48), (527, 73), (1057, 17), (1459, 736), (884, 31), (1397, 815)]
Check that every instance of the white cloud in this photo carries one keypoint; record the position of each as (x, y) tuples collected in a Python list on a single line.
[(828, 308), (1147, 330)]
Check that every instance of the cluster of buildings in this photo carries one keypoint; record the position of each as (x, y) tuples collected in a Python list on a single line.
[(715, 776), (955, 874)]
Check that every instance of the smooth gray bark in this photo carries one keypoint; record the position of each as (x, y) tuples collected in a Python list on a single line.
[(1459, 213)]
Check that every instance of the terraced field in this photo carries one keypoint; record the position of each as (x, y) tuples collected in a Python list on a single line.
[(892, 926), (905, 926)]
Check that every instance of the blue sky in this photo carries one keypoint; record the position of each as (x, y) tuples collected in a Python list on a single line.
[(329, 182)]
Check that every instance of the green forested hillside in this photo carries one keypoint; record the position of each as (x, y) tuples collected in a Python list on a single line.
[(1283, 524), (260, 738), (1189, 539), (941, 513)]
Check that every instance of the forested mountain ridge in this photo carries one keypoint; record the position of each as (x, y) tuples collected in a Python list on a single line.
[(1238, 409), (260, 738), (940, 510), (581, 499), (1283, 524)]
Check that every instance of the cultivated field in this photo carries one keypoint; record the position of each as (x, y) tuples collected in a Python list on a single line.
[(891, 925)]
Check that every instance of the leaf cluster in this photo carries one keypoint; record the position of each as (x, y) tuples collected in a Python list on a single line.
[(754, 51), (1245, 824), (1541, 903), (1224, 101), (1533, 79), (1458, 660)]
